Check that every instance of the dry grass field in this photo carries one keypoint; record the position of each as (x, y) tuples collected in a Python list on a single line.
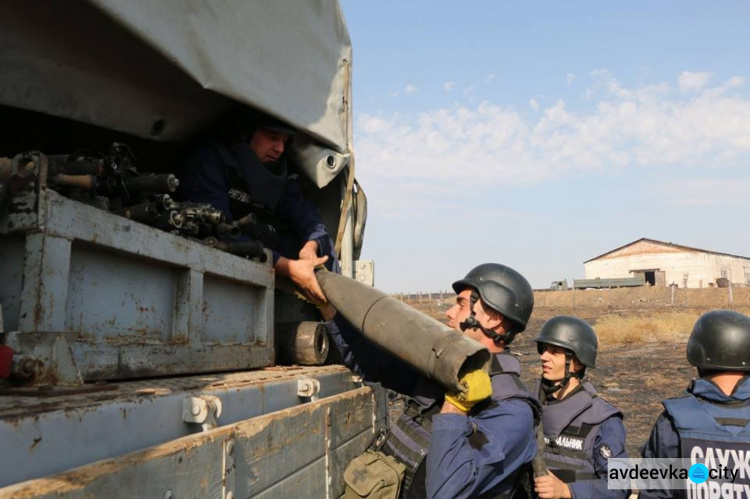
[(654, 327), (643, 334)]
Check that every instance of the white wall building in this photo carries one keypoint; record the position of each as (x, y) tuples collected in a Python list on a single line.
[(664, 264)]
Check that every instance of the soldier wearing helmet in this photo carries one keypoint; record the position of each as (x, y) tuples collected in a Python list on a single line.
[(710, 423), (581, 430), (453, 447)]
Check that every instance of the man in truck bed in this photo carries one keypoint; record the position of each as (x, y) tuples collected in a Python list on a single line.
[(242, 170)]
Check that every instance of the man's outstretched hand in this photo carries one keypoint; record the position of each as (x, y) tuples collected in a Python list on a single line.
[(302, 274)]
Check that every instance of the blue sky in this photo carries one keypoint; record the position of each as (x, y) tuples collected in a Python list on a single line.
[(542, 134)]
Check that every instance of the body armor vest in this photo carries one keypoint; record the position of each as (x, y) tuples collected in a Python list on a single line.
[(257, 196), (571, 427), (409, 437), (715, 434)]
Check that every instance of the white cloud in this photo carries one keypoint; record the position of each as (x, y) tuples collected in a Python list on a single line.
[(448, 85), (736, 81), (408, 89), (486, 145), (570, 78), (489, 78), (606, 81), (689, 81)]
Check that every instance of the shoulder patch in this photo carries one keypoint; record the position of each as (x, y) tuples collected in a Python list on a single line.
[(605, 451)]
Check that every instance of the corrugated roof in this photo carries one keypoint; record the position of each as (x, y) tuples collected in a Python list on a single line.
[(671, 245)]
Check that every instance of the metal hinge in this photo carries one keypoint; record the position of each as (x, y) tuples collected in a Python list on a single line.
[(308, 388), (364, 271), (204, 411)]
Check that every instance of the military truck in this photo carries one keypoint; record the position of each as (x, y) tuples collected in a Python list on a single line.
[(135, 362)]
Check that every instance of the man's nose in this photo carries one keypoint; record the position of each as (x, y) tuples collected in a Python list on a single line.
[(450, 313)]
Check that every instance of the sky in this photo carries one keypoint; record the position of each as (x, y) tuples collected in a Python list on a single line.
[(543, 134)]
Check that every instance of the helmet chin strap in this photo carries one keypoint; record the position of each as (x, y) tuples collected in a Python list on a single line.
[(550, 387), (471, 322)]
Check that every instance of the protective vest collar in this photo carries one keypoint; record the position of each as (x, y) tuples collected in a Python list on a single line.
[(707, 390), (263, 185)]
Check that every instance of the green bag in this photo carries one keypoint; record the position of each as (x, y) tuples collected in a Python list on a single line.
[(373, 475)]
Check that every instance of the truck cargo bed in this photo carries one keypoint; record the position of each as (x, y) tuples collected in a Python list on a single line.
[(134, 434)]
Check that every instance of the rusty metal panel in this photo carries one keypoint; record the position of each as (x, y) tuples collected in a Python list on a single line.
[(188, 317), (265, 445), (184, 468), (11, 270), (304, 483), (282, 454), (139, 301), (324, 438), (43, 436), (45, 278), (114, 297), (230, 311), (346, 445), (101, 361)]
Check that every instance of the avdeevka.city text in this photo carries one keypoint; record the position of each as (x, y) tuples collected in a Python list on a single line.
[(723, 471), (669, 473)]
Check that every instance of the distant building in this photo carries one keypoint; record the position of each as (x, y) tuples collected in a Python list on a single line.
[(664, 264)]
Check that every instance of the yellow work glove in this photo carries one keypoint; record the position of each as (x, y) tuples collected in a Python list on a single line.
[(477, 387)]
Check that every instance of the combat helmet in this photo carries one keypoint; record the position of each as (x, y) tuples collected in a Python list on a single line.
[(577, 338), (573, 334), (720, 341), (502, 289)]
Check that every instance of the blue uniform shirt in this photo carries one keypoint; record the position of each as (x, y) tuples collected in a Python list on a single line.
[(457, 464), (611, 435), (664, 441), (204, 179), (459, 467), (605, 440)]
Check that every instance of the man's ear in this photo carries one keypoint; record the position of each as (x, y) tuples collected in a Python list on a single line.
[(495, 321), (492, 319), (576, 364)]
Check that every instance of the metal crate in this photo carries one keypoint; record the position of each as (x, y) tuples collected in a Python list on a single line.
[(118, 299)]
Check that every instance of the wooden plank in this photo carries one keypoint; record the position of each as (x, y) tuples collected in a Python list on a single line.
[(284, 453)]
